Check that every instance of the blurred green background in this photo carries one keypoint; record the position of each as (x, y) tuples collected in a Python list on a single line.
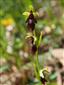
[(12, 38)]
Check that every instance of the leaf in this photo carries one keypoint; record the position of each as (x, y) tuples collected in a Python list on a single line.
[(4, 68), (53, 76)]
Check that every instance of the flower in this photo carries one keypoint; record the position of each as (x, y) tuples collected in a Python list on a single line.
[(31, 37), (7, 21), (43, 74), (31, 21)]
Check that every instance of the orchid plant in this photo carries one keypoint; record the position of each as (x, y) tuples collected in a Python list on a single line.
[(35, 43)]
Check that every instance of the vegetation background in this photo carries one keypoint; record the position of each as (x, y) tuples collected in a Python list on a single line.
[(13, 47)]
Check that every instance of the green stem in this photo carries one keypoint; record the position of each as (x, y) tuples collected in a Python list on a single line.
[(40, 38), (37, 65)]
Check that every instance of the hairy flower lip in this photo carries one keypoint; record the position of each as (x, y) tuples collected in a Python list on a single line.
[(34, 48), (31, 21)]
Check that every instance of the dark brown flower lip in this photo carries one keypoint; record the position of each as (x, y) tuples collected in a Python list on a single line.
[(31, 21), (43, 80), (34, 48)]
